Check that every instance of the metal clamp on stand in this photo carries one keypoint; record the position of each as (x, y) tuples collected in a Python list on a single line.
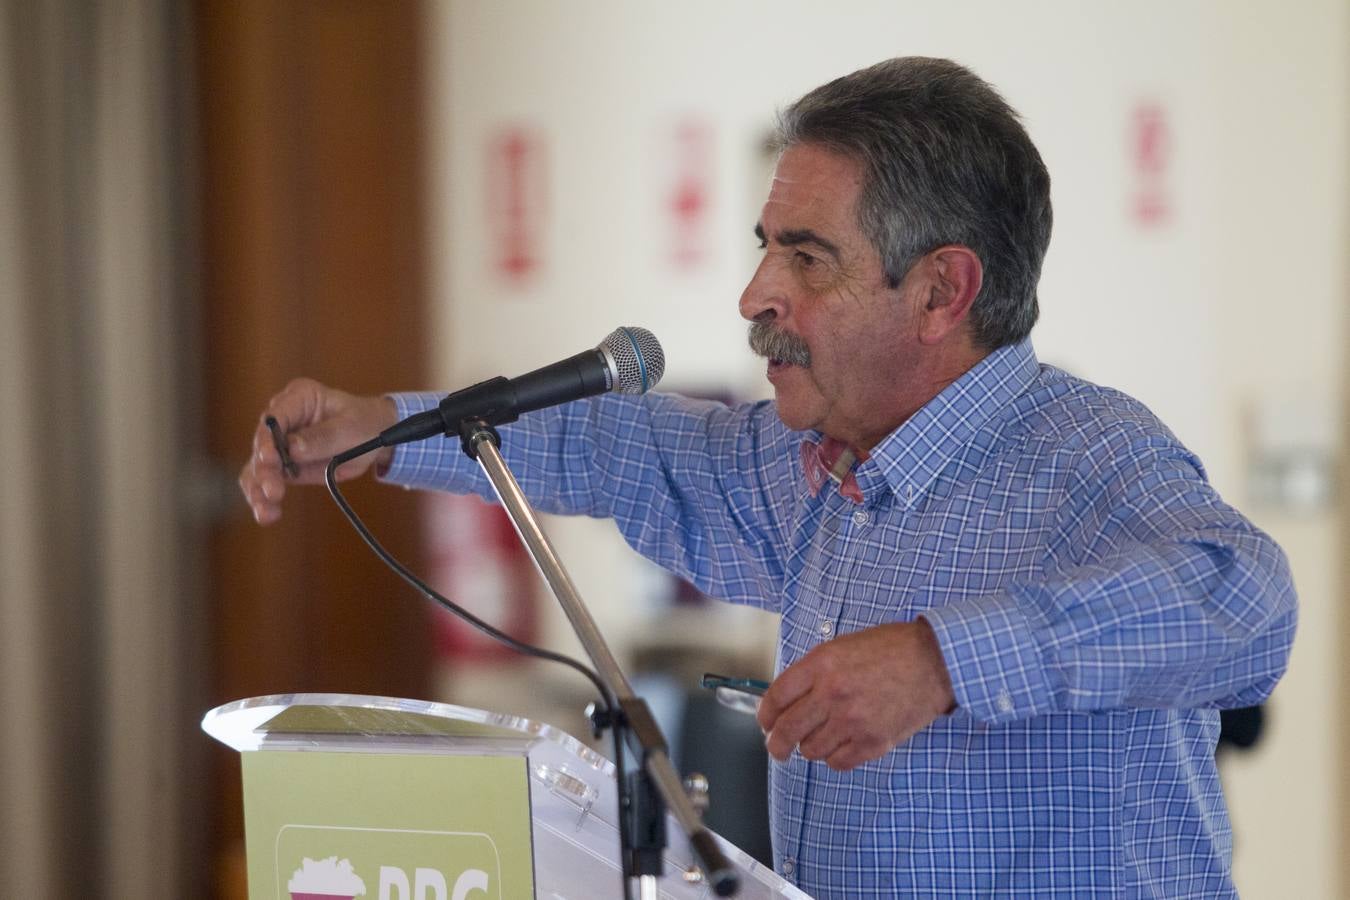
[(656, 786)]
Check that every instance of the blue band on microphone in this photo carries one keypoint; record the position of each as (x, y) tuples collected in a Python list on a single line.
[(637, 352)]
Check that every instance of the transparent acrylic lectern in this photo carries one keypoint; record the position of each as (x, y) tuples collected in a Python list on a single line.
[(410, 800)]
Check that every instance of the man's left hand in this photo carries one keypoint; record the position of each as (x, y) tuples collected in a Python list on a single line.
[(852, 699)]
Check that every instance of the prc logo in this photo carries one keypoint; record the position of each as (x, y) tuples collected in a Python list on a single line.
[(328, 879), (335, 879)]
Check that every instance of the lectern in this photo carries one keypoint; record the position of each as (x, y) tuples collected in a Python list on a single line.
[(381, 799)]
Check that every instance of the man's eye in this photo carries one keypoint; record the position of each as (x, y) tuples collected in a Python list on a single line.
[(805, 260), (763, 243)]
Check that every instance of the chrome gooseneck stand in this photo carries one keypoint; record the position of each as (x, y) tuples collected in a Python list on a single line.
[(655, 785)]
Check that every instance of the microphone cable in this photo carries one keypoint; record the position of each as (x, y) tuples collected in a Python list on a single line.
[(608, 703)]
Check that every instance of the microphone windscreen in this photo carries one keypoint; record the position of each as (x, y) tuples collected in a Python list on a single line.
[(636, 357)]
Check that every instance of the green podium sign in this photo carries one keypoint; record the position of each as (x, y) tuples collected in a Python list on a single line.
[(389, 826)]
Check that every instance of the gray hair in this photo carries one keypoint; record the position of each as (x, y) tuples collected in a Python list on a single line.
[(946, 161)]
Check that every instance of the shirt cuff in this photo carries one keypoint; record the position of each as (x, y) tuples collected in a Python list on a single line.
[(995, 666), (416, 464)]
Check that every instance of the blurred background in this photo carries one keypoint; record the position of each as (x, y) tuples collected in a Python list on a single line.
[(202, 200)]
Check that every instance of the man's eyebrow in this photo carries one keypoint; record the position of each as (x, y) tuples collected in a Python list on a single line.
[(795, 236)]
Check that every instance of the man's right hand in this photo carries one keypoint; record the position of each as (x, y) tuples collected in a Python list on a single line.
[(319, 422)]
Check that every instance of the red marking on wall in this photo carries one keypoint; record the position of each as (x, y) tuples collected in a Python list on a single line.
[(689, 200), (1150, 146), (516, 201), (477, 561)]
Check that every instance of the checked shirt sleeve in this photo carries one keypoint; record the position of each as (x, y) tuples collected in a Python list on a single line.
[(1155, 594), (681, 479)]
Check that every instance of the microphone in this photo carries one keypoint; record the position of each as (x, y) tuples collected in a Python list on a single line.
[(630, 360)]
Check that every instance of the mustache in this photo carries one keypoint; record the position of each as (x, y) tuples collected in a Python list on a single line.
[(771, 343)]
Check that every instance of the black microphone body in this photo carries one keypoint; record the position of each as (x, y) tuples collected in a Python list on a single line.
[(630, 360), (583, 375)]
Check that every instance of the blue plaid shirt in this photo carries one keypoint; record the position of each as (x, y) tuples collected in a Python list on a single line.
[(1095, 601)]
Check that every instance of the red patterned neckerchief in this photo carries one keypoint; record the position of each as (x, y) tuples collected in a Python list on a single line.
[(832, 459)]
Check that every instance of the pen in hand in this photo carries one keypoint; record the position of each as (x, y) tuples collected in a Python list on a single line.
[(288, 465)]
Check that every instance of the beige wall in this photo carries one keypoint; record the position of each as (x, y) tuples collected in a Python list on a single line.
[(1280, 305), (1222, 320)]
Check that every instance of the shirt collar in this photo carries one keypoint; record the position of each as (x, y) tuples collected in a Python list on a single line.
[(911, 457)]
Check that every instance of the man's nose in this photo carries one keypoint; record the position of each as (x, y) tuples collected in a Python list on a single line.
[(762, 301)]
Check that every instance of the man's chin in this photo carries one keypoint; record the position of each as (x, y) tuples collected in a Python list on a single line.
[(793, 415), (795, 396)]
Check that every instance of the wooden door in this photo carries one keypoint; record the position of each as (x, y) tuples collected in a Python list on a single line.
[(312, 194)]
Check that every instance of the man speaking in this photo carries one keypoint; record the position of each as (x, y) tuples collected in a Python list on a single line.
[(1011, 603)]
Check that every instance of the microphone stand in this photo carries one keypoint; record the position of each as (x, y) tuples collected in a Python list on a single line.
[(655, 785)]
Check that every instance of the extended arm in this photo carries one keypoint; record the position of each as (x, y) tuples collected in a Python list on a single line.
[(679, 477)]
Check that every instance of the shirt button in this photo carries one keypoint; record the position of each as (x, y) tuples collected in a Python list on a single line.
[(1004, 702), (861, 517), (826, 627), (789, 866)]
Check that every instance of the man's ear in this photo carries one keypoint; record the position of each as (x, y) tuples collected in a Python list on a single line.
[(954, 278)]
